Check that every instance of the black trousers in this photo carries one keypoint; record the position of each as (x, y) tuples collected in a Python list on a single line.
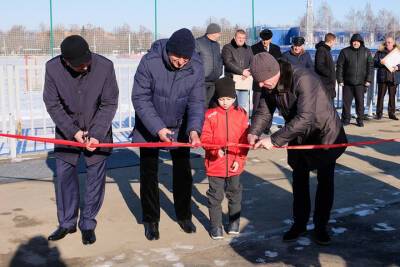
[(181, 183), (210, 92), (382, 89), (350, 92), (323, 199)]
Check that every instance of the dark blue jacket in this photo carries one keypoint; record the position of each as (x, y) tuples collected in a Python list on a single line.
[(304, 60), (210, 54), (77, 102), (162, 95)]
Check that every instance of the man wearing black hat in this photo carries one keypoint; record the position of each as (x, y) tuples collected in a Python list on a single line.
[(297, 55), (81, 97), (209, 50), (310, 118), (265, 45), (168, 97), (354, 73)]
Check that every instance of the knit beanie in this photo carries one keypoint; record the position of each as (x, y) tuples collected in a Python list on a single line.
[(225, 87), (213, 28), (181, 43), (263, 67)]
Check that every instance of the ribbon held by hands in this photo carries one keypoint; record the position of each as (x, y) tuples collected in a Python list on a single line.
[(179, 144)]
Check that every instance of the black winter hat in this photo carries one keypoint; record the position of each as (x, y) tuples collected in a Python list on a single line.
[(298, 41), (75, 50), (181, 43), (225, 87), (266, 34), (213, 28)]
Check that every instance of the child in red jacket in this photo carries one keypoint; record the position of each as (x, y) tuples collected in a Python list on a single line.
[(224, 124)]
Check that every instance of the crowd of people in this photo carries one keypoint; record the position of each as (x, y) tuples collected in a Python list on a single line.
[(179, 95)]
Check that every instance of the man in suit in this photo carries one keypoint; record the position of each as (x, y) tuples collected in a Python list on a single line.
[(81, 97)]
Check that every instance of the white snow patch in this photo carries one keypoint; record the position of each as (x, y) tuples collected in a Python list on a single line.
[(185, 247), (271, 254), (343, 210), (288, 221), (383, 227), (260, 260), (339, 230), (310, 226), (304, 241), (119, 257), (363, 213), (105, 264), (379, 201), (220, 262)]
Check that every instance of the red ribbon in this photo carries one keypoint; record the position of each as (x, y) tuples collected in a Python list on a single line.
[(178, 144)]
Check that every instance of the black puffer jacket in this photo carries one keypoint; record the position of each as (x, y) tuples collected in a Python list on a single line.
[(325, 67), (236, 59), (354, 66), (210, 53), (309, 117)]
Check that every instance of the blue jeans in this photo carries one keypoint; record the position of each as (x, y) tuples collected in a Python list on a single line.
[(243, 99)]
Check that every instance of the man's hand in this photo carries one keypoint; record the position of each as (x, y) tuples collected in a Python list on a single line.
[(341, 84), (194, 138), (164, 133), (80, 136), (264, 143), (221, 153), (252, 139), (395, 68), (92, 141), (235, 166), (246, 73), (367, 84)]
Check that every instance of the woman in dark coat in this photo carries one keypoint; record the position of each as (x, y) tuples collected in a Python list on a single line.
[(308, 121)]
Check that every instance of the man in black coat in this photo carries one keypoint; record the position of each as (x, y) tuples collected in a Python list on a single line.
[(81, 97), (265, 45), (310, 118), (388, 80), (324, 65), (354, 72), (209, 50), (237, 56)]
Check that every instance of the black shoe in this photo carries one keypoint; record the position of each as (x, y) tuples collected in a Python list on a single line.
[(233, 227), (187, 226), (393, 117), (345, 123), (151, 230), (321, 237), (360, 123), (217, 233), (88, 237), (378, 117), (294, 233), (60, 233)]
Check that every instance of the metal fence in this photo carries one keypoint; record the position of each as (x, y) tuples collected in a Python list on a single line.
[(22, 110)]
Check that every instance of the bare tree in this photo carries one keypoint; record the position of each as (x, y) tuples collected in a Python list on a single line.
[(325, 18)]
